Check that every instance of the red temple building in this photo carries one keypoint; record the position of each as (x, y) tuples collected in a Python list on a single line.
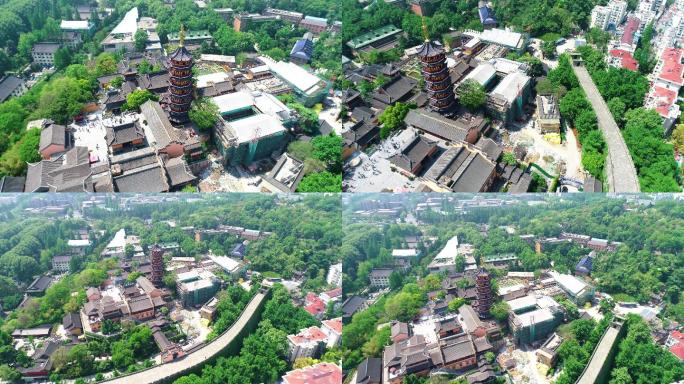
[(157, 261), (180, 82), (483, 286), (438, 85)]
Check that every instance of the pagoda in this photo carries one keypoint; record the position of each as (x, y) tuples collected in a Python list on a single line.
[(180, 82), (483, 287), (438, 85), (157, 261)]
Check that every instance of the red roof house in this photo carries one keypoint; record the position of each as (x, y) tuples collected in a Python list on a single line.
[(631, 27), (627, 61), (664, 100), (322, 373), (671, 72), (314, 305)]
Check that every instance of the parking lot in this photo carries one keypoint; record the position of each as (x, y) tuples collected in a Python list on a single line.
[(373, 173)]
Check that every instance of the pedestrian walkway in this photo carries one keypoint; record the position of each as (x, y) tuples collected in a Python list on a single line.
[(166, 372), (620, 170)]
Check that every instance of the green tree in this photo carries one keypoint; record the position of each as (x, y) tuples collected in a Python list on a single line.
[(63, 98), (472, 95), (509, 158), (456, 303), (548, 49), (204, 114), (137, 98), (28, 150), (140, 38), (677, 137), (620, 376), (321, 182), (301, 150), (617, 108), (328, 149), (500, 311), (395, 280), (62, 58), (117, 82), (105, 64), (392, 118)]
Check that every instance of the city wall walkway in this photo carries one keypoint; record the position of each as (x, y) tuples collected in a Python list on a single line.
[(598, 369), (192, 362), (620, 170)]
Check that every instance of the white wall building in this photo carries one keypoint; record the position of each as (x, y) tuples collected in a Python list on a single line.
[(610, 15), (309, 342), (333, 329), (335, 275)]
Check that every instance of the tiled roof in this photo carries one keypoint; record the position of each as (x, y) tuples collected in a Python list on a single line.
[(321, 373), (7, 85), (394, 90), (159, 123), (150, 178), (440, 126), (414, 153), (69, 172), (178, 172), (124, 133), (52, 134)]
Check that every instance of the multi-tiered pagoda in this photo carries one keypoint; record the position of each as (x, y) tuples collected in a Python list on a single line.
[(483, 287), (180, 82), (438, 85), (157, 261)]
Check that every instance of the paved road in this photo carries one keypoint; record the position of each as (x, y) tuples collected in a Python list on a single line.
[(166, 372), (599, 357), (622, 176)]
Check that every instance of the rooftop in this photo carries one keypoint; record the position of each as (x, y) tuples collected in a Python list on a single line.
[(373, 36), (129, 23), (74, 25), (321, 373), (509, 88), (503, 37)]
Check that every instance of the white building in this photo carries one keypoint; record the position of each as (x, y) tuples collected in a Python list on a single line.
[(309, 88), (404, 257), (231, 266), (379, 277), (122, 36), (78, 245), (576, 289), (44, 53), (335, 275), (609, 16), (446, 258), (61, 263), (11, 86), (117, 246), (333, 329), (309, 342), (73, 31)]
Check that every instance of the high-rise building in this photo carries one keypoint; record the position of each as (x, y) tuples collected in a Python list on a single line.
[(483, 286), (609, 16), (157, 261), (436, 74), (180, 82)]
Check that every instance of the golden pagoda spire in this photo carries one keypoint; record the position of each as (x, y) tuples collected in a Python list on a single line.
[(181, 36), (425, 30)]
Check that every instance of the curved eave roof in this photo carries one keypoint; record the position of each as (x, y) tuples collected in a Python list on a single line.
[(181, 54), (430, 49)]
